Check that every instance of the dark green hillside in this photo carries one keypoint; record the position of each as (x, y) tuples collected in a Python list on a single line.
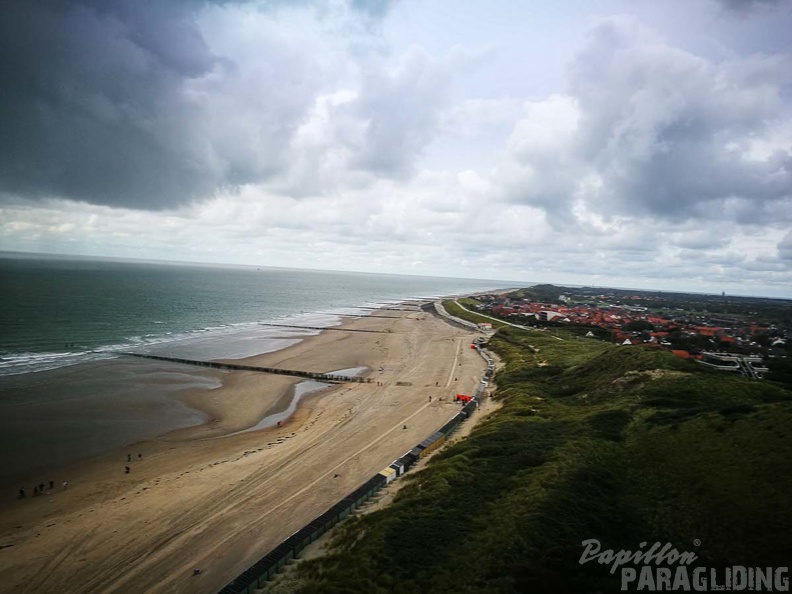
[(620, 444)]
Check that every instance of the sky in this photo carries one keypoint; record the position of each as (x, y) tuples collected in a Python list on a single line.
[(632, 143)]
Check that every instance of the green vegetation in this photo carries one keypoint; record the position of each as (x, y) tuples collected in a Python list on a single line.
[(781, 370), (624, 445), (471, 316), (469, 302), (541, 293), (639, 326), (452, 308)]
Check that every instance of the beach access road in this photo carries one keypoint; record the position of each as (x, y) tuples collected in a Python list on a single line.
[(198, 500)]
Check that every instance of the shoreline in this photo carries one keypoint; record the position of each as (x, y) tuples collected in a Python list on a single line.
[(174, 412), (198, 497), (220, 420), (205, 414)]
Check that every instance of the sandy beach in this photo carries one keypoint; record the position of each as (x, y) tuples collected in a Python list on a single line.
[(215, 497)]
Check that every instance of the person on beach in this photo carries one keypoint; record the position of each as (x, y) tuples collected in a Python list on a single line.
[(129, 457), (52, 485), (65, 484), (140, 456), (126, 469), (41, 488), (22, 492)]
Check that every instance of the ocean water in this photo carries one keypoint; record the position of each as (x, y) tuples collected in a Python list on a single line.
[(66, 391), (59, 312)]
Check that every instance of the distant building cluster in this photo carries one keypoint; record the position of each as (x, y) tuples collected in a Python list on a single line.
[(728, 342)]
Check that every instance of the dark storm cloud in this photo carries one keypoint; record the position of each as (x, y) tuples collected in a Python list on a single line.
[(88, 95), (123, 102), (746, 5)]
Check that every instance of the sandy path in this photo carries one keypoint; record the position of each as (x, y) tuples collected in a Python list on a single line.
[(196, 500)]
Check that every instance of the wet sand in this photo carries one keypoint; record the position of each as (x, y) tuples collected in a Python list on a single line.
[(55, 418), (197, 499)]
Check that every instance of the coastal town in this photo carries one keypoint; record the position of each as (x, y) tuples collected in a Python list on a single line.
[(729, 333)]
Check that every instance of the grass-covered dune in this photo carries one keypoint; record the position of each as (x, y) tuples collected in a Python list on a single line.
[(620, 444)]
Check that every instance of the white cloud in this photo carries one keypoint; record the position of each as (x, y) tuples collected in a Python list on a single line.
[(314, 143)]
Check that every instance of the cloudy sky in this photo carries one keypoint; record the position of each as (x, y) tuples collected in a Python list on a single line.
[(637, 143)]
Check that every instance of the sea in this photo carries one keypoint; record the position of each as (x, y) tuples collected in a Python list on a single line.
[(67, 389)]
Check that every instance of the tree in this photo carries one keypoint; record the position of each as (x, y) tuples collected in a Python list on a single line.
[(639, 326)]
